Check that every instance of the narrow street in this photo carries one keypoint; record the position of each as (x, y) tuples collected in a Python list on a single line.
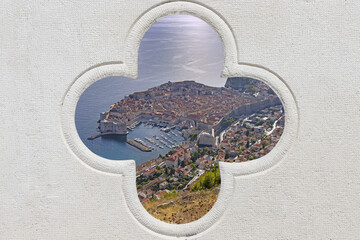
[(201, 172), (274, 126)]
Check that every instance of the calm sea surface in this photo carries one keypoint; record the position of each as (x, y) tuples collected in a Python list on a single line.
[(176, 48)]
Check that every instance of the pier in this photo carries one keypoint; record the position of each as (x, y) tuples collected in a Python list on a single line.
[(94, 137), (138, 146)]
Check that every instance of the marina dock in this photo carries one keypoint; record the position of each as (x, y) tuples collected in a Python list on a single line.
[(138, 146)]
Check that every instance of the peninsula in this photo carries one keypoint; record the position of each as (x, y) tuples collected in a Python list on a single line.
[(202, 126), (183, 105)]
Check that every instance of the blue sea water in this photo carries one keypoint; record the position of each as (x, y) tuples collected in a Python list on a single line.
[(175, 48)]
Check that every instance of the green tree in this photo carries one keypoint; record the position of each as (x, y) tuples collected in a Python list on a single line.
[(217, 176), (182, 164), (206, 149), (252, 89), (193, 136), (171, 152), (228, 121), (209, 180), (195, 155), (171, 194), (196, 186)]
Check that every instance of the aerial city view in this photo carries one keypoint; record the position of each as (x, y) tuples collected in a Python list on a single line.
[(179, 119)]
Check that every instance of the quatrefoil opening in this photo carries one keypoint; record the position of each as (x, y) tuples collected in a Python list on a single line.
[(228, 170)]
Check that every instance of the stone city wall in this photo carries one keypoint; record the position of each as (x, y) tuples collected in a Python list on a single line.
[(248, 109)]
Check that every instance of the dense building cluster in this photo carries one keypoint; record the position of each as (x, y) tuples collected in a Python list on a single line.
[(241, 122), (247, 138), (180, 102), (254, 136)]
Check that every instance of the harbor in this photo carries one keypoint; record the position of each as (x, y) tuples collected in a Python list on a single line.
[(116, 146), (167, 141)]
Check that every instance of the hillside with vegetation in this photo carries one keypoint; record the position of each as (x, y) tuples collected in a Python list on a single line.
[(182, 207), (187, 206)]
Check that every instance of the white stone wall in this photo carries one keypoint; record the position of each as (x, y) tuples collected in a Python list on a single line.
[(103, 115), (53, 187), (119, 127), (206, 139), (106, 126)]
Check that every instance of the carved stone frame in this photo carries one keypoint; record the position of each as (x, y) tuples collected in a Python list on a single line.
[(128, 68)]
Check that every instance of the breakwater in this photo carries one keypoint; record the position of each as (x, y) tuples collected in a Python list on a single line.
[(138, 146)]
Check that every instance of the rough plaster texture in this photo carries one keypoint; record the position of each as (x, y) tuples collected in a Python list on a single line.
[(53, 187)]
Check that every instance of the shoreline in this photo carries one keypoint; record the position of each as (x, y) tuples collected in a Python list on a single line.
[(141, 131)]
